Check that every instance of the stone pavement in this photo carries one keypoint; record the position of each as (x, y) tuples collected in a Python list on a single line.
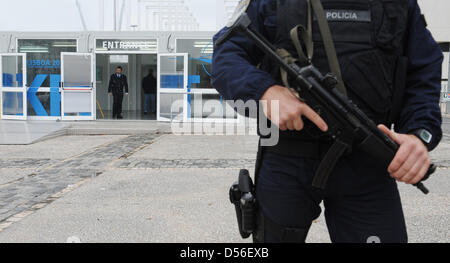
[(40, 177), (157, 188), (28, 132)]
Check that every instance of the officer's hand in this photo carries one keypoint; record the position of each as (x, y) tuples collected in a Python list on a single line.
[(291, 110), (126, 94), (412, 161), (110, 94)]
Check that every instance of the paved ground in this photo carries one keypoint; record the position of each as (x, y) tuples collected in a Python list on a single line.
[(446, 125), (156, 188), (28, 132)]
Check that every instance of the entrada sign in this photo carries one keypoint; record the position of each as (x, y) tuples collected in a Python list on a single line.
[(126, 45)]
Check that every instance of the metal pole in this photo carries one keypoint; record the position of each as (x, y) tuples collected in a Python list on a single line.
[(121, 15), (83, 22), (115, 15), (101, 15)]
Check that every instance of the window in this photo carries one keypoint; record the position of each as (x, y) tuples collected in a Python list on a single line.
[(44, 72), (200, 58), (206, 103)]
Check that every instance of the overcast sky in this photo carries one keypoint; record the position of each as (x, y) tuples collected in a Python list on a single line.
[(62, 15)]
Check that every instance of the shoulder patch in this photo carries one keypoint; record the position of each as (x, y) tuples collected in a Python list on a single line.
[(240, 9)]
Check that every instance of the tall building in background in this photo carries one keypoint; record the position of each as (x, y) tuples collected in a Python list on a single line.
[(146, 15), (225, 10), (230, 6)]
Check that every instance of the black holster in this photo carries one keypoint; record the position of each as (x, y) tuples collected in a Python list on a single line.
[(242, 195), (251, 221)]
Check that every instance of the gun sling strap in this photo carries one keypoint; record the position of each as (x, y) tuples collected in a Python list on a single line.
[(299, 33), (313, 149)]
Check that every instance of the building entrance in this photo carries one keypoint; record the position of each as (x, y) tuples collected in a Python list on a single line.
[(136, 67)]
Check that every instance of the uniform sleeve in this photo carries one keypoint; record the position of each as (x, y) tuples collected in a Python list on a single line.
[(234, 72), (421, 109)]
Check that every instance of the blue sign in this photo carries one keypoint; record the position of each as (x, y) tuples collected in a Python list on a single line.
[(55, 95), (44, 63), (205, 58)]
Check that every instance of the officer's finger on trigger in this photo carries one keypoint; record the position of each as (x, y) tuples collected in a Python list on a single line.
[(388, 132), (315, 118)]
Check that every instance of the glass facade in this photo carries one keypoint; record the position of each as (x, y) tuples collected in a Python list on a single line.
[(206, 103), (77, 77), (12, 72), (200, 58), (12, 87), (184, 77), (172, 86), (210, 106), (172, 72), (44, 73), (12, 103)]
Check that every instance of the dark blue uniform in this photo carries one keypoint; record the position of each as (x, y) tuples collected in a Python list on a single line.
[(361, 199)]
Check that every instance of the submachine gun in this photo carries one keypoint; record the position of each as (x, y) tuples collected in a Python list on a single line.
[(348, 125)]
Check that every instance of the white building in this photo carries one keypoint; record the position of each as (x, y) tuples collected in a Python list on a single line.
[(138, 35), (225, 10), (147, 15)]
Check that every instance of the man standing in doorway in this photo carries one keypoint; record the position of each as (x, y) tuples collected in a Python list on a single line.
[(118, 85), (149, 87)]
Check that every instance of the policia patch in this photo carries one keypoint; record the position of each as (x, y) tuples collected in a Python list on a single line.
[(348, 15), (240, 9)]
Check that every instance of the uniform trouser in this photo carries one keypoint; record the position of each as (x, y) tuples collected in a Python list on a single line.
[(361, 201), (151, 97), (117, 106)]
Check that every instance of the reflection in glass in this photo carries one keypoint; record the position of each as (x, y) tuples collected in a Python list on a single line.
[(77, 103), (172, 72), (209, 106), (172, 106), (200, 58), (44, 56), (12, 103), (12, 71), (77, 71), (44, 99)]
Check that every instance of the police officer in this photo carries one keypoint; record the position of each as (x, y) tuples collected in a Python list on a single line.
[(391, 67), (118, 85)]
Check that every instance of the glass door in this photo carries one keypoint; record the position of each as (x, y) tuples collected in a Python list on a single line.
[(13, 90), (172, 87), (77, 96)]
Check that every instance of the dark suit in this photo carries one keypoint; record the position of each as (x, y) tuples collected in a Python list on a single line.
[(117, 86), (149, 85)]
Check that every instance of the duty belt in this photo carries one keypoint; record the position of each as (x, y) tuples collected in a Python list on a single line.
[(328, 152), (301, 149)]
